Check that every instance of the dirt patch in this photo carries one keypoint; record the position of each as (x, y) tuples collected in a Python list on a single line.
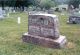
[(70, 45)]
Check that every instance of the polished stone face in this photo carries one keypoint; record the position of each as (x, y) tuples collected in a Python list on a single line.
[(43, 26)]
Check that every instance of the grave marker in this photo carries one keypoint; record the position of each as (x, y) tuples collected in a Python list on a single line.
[(74, 18), (43, 29), (1, 13), (19, 20)]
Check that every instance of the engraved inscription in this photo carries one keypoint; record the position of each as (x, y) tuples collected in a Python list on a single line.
[(34, 30), (47, 32)]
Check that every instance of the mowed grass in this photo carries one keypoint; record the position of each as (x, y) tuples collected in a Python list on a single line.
[(11, 34)]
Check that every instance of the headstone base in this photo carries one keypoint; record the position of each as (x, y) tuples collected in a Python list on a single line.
[(46, 42)]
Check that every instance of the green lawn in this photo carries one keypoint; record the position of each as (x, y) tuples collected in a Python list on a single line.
[(11, 33)]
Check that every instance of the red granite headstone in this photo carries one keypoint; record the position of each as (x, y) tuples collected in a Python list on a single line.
[(43, 29), (43, 26)]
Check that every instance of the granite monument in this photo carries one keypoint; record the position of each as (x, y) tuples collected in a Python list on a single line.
[(74, 18), (43, 30)]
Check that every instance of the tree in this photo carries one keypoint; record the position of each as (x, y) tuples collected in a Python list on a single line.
[(47, 4), (75, 3), (21, 3), (43, 3)]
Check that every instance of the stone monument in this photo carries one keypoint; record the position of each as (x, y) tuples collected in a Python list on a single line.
[(74, 17), (43, 30), (50, 11), (1, 13)]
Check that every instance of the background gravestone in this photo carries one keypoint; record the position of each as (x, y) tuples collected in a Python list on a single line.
[(1, 13), (11, 9), (25, 9), (43, 29), (4, 13), (50, 11), (74, 17)]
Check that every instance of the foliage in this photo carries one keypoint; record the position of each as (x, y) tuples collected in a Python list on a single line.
[(14, 2), (43, 3), (75, 3), (21, 3), (47, 4)]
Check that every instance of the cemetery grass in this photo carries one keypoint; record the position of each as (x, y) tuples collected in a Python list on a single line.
[(11, 33)]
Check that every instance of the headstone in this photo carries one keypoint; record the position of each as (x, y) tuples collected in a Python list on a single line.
[(8, 14), (30, 9), (14, 11), (10, 9), (19, 20), (51, 11), (74, 18), (38, 9), (43, 29), (4, 13), (1, 13), (25, 9), (70, 8)]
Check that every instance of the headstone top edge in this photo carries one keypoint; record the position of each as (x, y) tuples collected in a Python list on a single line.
[(50, 15)]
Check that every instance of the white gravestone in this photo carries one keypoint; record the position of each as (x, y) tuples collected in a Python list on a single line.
[(19, 20)]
